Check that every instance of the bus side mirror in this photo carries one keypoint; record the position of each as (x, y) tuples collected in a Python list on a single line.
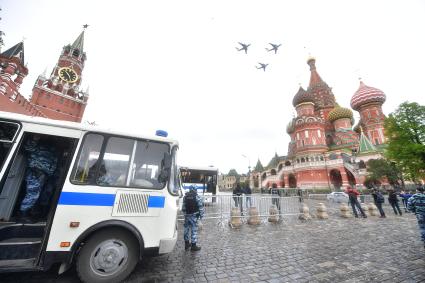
[(166, 168)]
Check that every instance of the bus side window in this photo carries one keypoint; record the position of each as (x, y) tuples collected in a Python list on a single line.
[(85, 170), (115, 164), (8, 132), (147, 164)]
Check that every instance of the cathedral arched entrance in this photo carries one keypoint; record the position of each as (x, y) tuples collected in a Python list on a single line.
[(282, 180), (336, 179), (292, 181)]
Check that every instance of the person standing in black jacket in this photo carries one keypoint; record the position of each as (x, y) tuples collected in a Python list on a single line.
[(378, 199), (393, 200), (237, 196), (247, 191), (274, 191)]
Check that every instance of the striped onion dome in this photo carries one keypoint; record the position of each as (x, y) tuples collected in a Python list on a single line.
[(339, 113), (302, 96), (291, 127), (366, 94)]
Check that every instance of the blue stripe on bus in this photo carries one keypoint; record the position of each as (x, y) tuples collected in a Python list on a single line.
[(91, 199), (156, 201), (71, 198)]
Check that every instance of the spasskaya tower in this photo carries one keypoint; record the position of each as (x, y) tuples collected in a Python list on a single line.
[(60, 96)]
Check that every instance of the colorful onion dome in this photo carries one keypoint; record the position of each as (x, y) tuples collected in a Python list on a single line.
[(291, 127), (366, 94), (302, 96), (339, 113)]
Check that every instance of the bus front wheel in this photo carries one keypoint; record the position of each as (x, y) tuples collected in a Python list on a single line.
[(110, 255)]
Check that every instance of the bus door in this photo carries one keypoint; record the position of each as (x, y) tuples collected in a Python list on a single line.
[(29, 189)]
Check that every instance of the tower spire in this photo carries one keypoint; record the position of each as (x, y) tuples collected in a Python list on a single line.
[(314, 77), (15, 51), (79, 42), (365, 145)]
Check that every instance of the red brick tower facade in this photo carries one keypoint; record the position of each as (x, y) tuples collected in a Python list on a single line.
[(12, 73), (59, 97)]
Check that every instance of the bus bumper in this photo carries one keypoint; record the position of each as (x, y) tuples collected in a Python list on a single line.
[(167, 245)]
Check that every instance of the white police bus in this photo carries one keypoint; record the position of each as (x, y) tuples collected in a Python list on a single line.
[(204, 179), (110, 199)]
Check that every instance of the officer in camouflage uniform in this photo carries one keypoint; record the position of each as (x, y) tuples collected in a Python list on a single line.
[(416, 204), (42, 162), (193, 209)]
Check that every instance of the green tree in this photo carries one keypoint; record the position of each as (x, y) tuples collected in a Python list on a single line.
[(405, 131), (379, 169)]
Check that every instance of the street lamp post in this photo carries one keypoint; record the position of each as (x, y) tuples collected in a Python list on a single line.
[(249, 163)]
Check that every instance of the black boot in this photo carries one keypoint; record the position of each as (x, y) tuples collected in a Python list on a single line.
[(195, 248), (186, 245)]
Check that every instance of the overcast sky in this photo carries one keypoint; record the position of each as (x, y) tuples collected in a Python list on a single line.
[(173, 65)]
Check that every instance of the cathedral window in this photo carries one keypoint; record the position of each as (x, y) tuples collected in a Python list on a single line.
[(302, 142), (298, 136), (319, 134), (306, 133)]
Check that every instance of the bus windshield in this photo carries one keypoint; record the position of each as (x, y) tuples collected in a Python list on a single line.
[(203, 179)]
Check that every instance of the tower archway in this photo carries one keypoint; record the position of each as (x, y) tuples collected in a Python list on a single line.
[(282, 180), (335, 179), (292, 180)]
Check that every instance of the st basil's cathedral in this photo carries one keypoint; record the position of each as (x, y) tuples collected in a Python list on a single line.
[(326, 149)]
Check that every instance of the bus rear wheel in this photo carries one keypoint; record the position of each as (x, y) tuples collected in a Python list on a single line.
[(108, 256)]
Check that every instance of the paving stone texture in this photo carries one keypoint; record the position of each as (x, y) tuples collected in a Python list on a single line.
[(332, 250)]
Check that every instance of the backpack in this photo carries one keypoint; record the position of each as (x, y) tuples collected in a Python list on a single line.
[(380, 198), (191, 202)]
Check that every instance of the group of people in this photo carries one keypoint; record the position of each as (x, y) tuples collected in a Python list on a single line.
[(194, 210), (412, 203)]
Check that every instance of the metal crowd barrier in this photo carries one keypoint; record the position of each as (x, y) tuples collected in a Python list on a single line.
[(221, 208)]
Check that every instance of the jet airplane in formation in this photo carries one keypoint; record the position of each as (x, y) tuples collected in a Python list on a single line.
[(244, 47), (274, 47), (262, 66)]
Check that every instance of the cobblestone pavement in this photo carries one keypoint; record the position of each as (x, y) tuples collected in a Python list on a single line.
[(333, 250)]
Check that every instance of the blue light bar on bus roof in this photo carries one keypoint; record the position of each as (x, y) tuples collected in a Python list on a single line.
[(161, 133)]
